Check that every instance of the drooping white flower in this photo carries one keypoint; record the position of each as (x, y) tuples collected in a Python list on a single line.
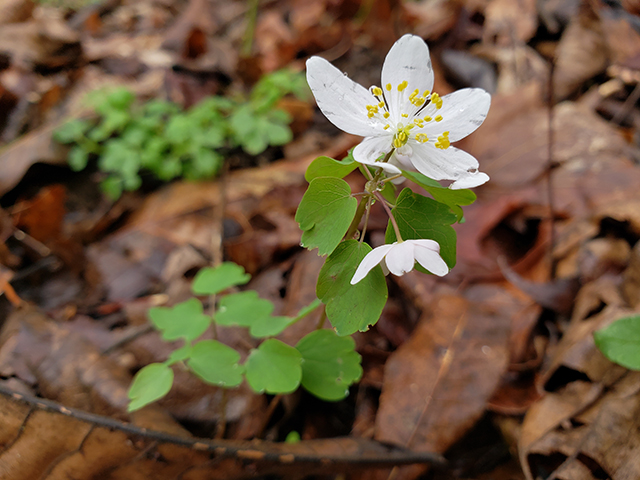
[(404, 114), (400, 258)]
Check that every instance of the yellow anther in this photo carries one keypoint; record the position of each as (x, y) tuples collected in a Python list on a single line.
[(388, 87), (426, 92), (405, 115), (409, 127), (443, 141), (381, 104), (427, 119), (418, 102), (386, 126), (377, 91), (438, 118), (418, 122), (385, 114), (422, 138), (402, 86), (400, 139)]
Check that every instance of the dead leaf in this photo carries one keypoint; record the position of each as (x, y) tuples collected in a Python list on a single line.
[(581, 54), (437, 384), (15, 11), (508, 22)]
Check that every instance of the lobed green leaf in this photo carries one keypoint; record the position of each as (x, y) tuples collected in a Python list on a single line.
[(328, 167), (330, 364), (243, 309), (183, 320), (210, 281), (419, 217), (351, 308), (216, 363), (274, 367), (325, 213), (453, 198)]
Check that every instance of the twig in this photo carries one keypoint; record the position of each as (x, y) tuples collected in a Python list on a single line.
[(376, 453)]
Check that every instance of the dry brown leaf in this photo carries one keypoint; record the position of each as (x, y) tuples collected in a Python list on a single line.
[(36, 146), (509, 22), (581, 54), (437, 384)]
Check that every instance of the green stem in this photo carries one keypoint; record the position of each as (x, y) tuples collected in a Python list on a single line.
[(391, 217), (247, 41), (366, 220), (362, 206)]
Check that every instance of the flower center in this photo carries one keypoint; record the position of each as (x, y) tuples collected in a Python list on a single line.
[(418, 110)]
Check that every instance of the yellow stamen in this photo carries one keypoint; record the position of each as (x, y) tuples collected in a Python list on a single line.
[(427, 119), (377, 91), (388, 87), (385, 114), (438, 118), (381, 104), (386, 126), (405, 115), (422, 138), (402, 86)]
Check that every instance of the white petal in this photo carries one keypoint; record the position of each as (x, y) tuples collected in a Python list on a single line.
[(400, 258), (470, 180), (462, 112), (429, 257), (448, 164), (342, 101), (373, 258), (407, 60), (371, 148)]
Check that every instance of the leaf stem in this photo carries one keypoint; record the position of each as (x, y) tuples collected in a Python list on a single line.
[(366, 220), (362, 206), (391, 217)]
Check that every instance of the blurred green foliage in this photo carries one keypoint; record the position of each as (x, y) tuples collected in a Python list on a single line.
[(161, 138)]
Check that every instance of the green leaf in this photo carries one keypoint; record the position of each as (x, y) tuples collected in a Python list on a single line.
[(330, 364), (120, 98), (270, 326), (274, 367), (351, 308), (150, 384), (325, 213), (328, 167), (453, 198), (216, 363), (183, 320), (71, 131), (179, 355), (420, 217), (179, 129), (78, 158), (620, 342), (210, 281), (112, 187), (243, 309), (279, 134)]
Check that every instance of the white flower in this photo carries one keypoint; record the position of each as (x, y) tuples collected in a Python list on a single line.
[(404, 114), (399, 258)]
